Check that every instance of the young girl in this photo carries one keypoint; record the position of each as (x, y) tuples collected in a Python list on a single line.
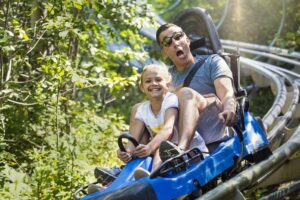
[(159, 115)]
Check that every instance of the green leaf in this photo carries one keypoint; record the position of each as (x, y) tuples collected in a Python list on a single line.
[(4, 40), (25, 36), (63, 34), (14, 22)]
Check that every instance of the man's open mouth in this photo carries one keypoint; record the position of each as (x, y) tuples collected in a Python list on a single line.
[(179, 53)]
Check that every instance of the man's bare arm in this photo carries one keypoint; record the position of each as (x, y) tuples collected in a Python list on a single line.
[(225, 93)]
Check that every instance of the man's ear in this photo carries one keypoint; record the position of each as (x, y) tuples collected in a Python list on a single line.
[(163, 53), (188, 40)]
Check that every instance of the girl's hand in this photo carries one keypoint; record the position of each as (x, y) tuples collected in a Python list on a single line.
[(142, 150), (124, 156)]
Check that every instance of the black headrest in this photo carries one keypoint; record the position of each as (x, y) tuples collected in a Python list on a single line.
[(197, 43), (197, 24)]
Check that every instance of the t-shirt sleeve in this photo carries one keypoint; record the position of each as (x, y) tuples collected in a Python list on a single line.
[(219, 68), (171, 101), (139, 112)]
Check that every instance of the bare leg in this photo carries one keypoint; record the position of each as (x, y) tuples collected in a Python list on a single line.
[(156, 160), (191, 106)]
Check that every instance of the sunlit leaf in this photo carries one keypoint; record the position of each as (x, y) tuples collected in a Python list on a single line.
[(63, 34)]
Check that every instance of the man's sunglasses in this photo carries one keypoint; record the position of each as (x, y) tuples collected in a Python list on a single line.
[(167, 41)]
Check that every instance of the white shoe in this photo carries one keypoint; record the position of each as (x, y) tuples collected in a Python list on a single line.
[(140, 173)]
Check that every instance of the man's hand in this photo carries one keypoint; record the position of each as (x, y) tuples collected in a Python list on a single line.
[(124, 156), (142, 150), (228, 117)]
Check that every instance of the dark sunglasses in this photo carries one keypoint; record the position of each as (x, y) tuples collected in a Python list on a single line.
[(167, 41)]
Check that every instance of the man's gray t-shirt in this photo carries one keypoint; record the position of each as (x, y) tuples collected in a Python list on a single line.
[(210, 126)]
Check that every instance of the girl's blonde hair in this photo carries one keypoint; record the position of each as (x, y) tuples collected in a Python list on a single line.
[(163, 69)]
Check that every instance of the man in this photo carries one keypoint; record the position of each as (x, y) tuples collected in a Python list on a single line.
[(210, 115)]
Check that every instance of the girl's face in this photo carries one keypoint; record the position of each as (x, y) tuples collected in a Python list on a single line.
[(155, 83)]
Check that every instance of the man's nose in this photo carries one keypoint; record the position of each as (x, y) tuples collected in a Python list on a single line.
[(175, 42)]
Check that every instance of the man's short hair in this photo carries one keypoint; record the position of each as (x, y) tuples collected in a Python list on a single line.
[(161, 29)]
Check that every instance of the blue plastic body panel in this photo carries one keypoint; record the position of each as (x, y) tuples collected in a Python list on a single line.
[(125, 177), (175, 185)]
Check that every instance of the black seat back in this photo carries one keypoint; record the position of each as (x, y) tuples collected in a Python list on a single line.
[(199, 27)]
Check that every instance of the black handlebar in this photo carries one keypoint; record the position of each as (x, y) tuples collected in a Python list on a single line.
[(129, 137)]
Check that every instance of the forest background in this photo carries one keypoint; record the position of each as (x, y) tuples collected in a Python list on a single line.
[(65, 95)]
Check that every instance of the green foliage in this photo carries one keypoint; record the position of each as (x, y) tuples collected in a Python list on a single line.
[(66, 91), (290, 39), (61, 84), (15, 186)]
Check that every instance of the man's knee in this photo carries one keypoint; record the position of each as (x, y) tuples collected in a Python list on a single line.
[(186, 93)]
